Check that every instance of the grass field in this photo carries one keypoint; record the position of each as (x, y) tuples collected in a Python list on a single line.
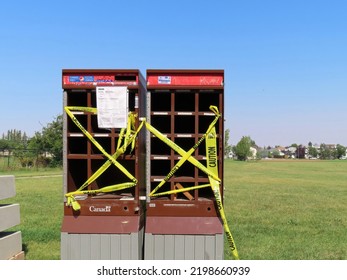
[(287, 209), (276, 210)]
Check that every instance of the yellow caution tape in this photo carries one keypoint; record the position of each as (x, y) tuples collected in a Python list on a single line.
[(129, 138), (180, 151), (71, 200), (118, 152), (187, 189), (107, 189), (212, 164), (212, 167), (91, 138), (189, 153), (121, 135)]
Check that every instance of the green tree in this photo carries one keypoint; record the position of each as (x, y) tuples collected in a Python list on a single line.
[(4, 144), (14, 138), (262, 153), (50, 140), (312, 151), (276, 153), (16, 142), (294, 145), (25, 155), (242, 148), (227, 147), (340, 151), (325, 152)]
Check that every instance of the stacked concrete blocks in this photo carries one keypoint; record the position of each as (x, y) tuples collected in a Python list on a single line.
[(10, 242)]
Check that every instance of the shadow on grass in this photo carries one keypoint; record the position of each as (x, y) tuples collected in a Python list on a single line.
[(25, 248)]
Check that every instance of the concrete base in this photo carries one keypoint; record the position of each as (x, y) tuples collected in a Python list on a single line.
[(102, 238), (78, 246), (184, 238), (184, 247)]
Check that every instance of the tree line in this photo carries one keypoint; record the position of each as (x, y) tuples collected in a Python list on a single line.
[(45, 148), (243, 150)]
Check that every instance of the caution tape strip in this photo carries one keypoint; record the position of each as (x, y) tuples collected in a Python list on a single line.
[(129, 139), (96, 143), (188, 154), (211, 149), (120, 150), (181, 151), (71, 200), (187, 189), (212, 166)]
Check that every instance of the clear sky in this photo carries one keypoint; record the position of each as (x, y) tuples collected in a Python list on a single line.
[(285, 62)]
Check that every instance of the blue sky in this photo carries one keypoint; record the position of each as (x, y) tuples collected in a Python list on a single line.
[(285, 62)]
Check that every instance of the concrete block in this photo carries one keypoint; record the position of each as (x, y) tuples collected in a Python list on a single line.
[(183, 247), (7, 187), (86, 246), (9, 216), (10, 244)]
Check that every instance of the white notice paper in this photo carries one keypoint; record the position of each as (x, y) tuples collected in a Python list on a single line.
[(112, 105)]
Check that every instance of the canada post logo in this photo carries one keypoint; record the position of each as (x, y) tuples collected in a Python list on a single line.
[(75, 79), (164, 80)]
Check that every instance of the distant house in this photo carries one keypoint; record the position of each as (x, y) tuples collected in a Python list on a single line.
[(253, 153), (290, 152), (345, 155), (280, 148), (316, 146), (5, 153), (230, 155), (281, 151), (331, 146), (291, 149)]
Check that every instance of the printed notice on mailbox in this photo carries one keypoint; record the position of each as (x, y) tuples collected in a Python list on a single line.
[(112, 105)]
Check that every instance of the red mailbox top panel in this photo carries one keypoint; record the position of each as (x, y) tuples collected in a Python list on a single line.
[(185, 78), (84, 78)]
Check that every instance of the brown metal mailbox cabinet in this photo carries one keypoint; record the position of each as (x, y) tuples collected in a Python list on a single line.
[(182, 225), (109, 223)]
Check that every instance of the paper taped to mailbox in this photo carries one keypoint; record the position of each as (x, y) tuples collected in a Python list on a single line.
[(112, 106)]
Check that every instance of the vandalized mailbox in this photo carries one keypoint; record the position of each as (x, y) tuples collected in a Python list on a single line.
[(143, 169), (104, 156), (184, 164)]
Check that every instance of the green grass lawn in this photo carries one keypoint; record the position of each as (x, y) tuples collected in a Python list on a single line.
[(276, 210), (287, 209)]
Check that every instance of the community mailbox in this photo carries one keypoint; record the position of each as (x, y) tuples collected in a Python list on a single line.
[(182, 220), (104, 155)]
